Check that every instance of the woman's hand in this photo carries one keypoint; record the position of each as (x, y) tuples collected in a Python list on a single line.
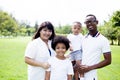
[(45, 65)]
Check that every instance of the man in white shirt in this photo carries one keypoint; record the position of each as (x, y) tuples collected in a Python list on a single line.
[(93, 46)]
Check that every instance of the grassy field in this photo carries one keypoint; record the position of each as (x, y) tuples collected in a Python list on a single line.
[(12, 66)]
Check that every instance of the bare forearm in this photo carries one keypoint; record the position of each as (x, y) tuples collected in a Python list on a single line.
[(105, 62), (100, 65), (32, 62)]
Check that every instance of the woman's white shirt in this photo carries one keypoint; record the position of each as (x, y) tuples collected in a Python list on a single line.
[(38, 50)]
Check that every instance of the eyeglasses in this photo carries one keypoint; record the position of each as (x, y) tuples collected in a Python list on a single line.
[(90, 22)]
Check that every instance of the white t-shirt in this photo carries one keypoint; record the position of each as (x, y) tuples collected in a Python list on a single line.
[(60, 68), (38, 51), (75, 41), (93, 48)]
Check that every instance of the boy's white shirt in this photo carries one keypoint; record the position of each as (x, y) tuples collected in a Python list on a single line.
[(60, 68), (75, 41)]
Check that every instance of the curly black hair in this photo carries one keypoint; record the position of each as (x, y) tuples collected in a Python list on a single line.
[(60, 39)]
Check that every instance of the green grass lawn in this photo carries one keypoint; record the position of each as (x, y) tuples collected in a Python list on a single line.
[(12, 66), (111, 72)]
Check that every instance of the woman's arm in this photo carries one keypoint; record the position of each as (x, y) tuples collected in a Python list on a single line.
[(33, 62)]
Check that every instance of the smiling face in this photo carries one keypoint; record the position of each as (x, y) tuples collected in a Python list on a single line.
[(91, 23), (45, 34), (76, 28), (60, 50)]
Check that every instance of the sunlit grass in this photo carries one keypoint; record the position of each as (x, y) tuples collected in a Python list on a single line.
[(111, 72), (12, 66)]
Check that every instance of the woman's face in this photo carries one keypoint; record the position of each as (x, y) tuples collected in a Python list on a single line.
[(45, 34)]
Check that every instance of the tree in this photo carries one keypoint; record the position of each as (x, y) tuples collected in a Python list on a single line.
[(36, 26), (8, 24), (115, 20), (63, 29)]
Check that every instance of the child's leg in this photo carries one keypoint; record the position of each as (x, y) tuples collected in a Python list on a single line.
[(73, 63), (82, 76), (76, 75)]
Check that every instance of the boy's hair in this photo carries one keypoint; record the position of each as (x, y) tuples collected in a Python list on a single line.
[(78, 23), (60, 39)]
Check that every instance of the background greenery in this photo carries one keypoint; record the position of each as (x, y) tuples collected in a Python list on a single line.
[(11, 27), (12, 66), (12, 47)]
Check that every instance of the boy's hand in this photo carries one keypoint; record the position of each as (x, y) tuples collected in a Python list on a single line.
[(71, 49)]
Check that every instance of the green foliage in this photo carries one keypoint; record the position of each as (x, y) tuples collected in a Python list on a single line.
[(115, 19), (8, 25), (63, 29), (111, 29)]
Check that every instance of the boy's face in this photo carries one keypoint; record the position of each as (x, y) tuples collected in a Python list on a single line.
[(76, 29), (60, 49)]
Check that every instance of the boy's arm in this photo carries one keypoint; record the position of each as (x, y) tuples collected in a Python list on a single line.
[(47, 75), (71, 48)]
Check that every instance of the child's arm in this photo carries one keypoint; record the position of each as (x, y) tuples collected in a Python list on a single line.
[(69, 77), (71, 48), (47, 75)]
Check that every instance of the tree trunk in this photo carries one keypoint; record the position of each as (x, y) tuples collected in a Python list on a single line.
[(112, 42), (118, 42)]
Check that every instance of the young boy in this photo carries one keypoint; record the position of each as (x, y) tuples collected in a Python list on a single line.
[(75, 41), (61, 67)]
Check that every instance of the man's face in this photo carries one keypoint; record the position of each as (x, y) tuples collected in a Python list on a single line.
[(91, 23)]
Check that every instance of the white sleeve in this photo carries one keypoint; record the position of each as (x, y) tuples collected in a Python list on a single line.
[(70, 68), (30, 50), (106, 46)]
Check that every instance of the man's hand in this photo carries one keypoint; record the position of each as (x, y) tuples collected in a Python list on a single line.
[(83, 68)]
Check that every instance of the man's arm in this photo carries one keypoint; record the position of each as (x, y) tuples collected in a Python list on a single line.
[(107, 60)]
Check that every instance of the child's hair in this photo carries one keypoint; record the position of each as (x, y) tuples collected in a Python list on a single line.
[(60, 39), (78, 23)]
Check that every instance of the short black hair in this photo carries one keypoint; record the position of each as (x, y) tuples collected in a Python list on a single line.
[(60, 39), (92, 15)]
